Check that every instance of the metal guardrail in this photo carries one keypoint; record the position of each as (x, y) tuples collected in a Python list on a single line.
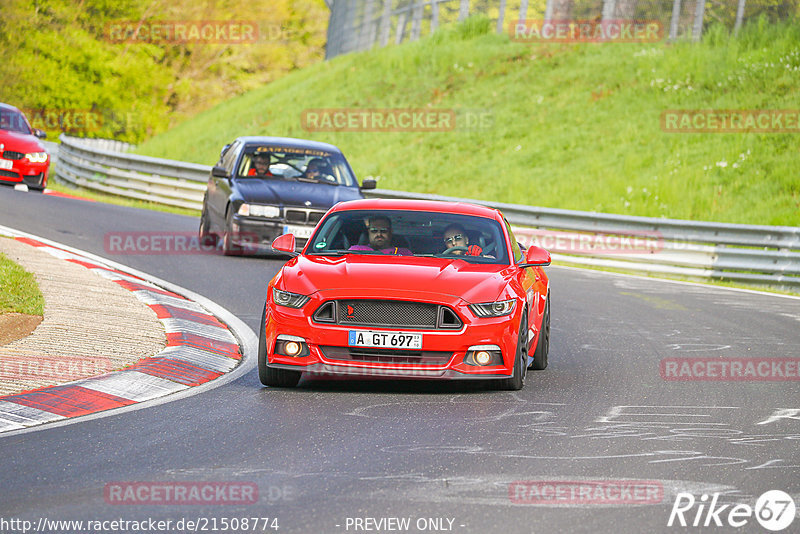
[(99, 165), (768, 255)]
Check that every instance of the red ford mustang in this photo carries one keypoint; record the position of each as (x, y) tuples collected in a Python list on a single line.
[(407, 289), (22, 157)]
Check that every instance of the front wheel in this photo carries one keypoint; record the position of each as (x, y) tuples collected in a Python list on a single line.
[(543, 345), (229, 247), (207, 239), (517, 379), (280, 378)]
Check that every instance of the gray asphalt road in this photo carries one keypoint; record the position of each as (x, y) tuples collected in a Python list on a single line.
[(338, 456)]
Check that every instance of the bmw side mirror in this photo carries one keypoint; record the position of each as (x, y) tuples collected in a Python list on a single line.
[(369, 183), (39, 133), (219, 172), (536, 257)]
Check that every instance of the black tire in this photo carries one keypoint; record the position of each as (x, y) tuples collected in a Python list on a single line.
[(229, 246), (280, 378), (207, 239), (543, 345), (517, 380)]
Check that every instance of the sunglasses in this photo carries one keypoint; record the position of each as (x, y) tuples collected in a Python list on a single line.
[(457, 237)]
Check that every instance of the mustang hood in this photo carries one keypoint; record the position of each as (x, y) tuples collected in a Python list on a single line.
[(395, 276), (20, 142), (290, 193)]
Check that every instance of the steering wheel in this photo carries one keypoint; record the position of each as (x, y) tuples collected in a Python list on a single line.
[(452, 250)]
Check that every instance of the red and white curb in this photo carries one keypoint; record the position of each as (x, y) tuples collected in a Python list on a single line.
[(201, 348)]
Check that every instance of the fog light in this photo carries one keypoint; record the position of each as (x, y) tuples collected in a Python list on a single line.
[(292, 348), (483, 357)]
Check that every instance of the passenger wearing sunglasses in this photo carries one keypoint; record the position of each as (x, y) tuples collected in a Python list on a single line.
[(379, 231), (455, 237)]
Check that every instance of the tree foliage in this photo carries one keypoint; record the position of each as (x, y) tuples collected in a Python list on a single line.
[(62, 66)]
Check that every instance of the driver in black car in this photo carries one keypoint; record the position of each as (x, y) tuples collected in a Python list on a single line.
[(261, 162), (456, 237)]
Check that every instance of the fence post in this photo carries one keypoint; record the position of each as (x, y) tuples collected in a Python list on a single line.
[(416, 20), (500, 16), (463, 10), (434, 15), (367, 33), (401, 28), (676, 17), (699, 12), (739, 17), (386, 22), (609, 9)]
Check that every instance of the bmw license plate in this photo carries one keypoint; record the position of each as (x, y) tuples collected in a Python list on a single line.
[(6, 164), (303, 232), (384, 340)]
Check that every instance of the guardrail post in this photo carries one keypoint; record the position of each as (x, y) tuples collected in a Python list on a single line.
[(699, 13)]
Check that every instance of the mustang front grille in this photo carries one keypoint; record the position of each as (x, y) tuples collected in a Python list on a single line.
[(388, 314), (404, 357)]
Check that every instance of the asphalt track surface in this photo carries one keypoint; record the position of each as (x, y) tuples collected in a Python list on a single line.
[(330, 452)]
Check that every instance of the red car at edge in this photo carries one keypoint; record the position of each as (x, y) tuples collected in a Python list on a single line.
[(407, 289), (23, 158)]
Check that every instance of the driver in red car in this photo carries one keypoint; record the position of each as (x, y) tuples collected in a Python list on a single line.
[(456, 236), (379, 230), (261, 162)]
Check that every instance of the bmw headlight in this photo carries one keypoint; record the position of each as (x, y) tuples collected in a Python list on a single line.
[(493, 309), (257, 210), (37, 157), (290, 300)]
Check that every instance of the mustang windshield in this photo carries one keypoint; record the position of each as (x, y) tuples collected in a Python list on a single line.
[(406, 233), (296, 164)]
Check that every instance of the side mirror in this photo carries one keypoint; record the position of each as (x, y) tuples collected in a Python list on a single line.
[(219, 172), (39, 133), (284, 243), (369, 183), (536, 257)]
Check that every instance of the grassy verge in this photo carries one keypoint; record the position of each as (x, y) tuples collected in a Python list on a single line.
[(574, 126), (19, 292)]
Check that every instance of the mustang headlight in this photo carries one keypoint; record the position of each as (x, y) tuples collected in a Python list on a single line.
[(493, 309), (291, 300), (257, 210), (37, 157)]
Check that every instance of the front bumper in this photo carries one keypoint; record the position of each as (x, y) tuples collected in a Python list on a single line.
[(260, 232), (328, 351), (31, 174)]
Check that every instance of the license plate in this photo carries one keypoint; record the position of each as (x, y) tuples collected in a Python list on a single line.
[(384, 340), (303, 232), (6, 164)]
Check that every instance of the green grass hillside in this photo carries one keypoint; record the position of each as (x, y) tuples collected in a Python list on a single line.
[(574, 126)]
